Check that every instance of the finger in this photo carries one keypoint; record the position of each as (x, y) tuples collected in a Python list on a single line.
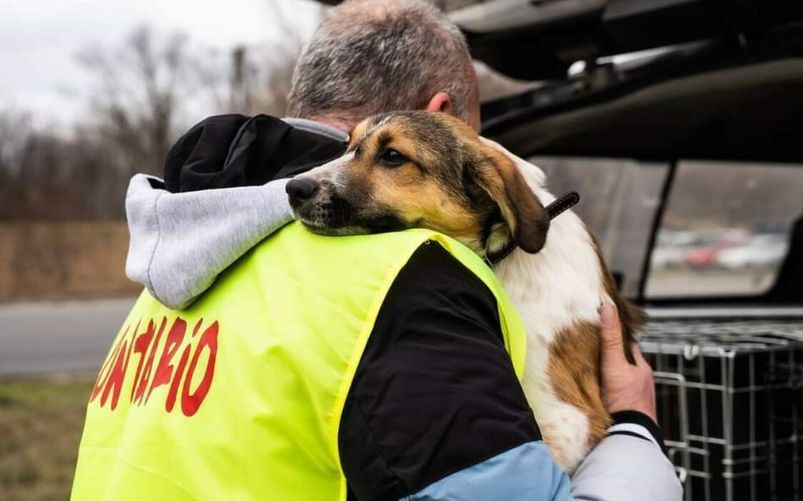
[(611, 334)]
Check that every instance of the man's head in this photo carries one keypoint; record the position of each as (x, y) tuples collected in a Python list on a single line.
[(375, 56)]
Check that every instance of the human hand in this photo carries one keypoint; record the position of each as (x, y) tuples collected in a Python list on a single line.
[(625, 387)]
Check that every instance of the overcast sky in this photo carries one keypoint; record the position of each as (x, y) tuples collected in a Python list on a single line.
[(39, 40)]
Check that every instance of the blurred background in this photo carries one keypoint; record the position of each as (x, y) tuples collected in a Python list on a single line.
[(93, 92), (678, 122)]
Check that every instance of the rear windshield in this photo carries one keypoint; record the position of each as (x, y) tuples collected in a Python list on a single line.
[(725, 231)]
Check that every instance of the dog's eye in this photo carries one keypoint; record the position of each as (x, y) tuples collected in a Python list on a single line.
[(392, 157)]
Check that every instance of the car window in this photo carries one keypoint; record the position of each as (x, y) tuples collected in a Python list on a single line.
[(618, 201), (725, 230)]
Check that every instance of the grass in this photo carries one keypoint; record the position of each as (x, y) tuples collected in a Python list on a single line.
[(40, 427)]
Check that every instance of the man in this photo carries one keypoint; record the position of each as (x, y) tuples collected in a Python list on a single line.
[(306, 367)]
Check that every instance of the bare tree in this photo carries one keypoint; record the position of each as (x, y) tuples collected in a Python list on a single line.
[(15, 129), (260, 76), (47, 176), (15, 132), (142, 94), (140, 88)]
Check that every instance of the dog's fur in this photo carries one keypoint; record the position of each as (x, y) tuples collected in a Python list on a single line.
[(418, 169)]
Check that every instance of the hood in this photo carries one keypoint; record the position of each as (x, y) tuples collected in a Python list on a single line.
[(222, 194), (181, 242)]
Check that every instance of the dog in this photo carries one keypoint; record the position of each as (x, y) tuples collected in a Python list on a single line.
[(430, 170)]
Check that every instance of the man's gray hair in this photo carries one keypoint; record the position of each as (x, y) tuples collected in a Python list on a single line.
[(374, 56)]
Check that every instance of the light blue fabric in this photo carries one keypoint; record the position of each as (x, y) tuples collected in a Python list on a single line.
[(526, 472)]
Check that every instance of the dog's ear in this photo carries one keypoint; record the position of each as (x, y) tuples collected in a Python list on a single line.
[(524, 214)]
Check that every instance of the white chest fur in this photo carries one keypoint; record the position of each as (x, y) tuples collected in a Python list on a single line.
[(552, 290)]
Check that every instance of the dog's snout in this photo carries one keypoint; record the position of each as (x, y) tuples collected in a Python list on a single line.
[(301, 189)]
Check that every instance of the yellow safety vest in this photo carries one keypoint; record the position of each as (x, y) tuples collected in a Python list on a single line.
[(240, 396)]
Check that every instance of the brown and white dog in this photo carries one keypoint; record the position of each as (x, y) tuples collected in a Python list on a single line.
[(430, 170)]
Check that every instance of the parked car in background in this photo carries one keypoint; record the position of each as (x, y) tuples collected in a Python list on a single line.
[(669, 256), (704, 257), (706, 254), (762, 251)]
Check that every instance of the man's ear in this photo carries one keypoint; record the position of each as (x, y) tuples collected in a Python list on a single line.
[(522, 211), (440, 102)]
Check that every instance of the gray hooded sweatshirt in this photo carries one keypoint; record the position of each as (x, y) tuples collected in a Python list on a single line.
[(181, 242)]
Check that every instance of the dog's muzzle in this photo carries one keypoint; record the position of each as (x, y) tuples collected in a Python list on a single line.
[(300, 190)]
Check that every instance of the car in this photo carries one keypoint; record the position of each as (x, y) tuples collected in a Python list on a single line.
[(705, 254), (678, 122), (678, 249), (668, 257), (703, 257), (762, 251)]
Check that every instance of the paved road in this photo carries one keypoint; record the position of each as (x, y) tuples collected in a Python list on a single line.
[(58, 337), (75, 335)]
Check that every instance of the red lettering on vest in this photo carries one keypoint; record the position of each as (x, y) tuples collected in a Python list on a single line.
[(149, 376), (141, 345), (103, 375), (171, 396), (191, 402), (182, 364), (164, 371), (115, 383), (142, 382)]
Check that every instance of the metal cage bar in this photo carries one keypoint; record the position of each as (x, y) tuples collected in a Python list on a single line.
[(729, 395)]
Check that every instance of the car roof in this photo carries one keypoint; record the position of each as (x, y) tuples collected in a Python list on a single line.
[(699, 78), (536, 40)]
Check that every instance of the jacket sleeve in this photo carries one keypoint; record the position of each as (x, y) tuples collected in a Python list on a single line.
[(435, 410), (628, 465)]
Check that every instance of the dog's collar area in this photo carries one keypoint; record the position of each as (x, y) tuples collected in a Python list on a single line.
[(562, 204), (553, 210), (494, 257)]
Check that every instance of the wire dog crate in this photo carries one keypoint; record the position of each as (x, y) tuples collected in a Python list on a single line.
[(730, 403)]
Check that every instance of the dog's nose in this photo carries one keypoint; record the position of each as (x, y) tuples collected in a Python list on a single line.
[(301, 189)]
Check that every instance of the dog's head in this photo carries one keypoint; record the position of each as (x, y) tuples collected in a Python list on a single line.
[(426, 170)]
